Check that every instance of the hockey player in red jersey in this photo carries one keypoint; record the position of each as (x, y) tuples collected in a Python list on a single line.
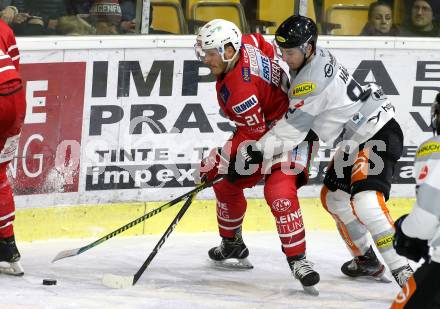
[(12, 113), (251, 91)]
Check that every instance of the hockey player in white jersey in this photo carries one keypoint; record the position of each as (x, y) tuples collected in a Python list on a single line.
[(325, 97), (420, 229)]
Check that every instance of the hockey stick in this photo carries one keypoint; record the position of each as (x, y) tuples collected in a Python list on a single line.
[(77, 251), (121, 282)]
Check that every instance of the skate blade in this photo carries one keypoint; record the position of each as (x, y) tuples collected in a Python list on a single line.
[(311, 290), (382, 278), (234, 264), (13, 269)]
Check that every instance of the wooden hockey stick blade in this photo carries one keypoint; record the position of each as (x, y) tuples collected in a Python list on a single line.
[(117, 282)]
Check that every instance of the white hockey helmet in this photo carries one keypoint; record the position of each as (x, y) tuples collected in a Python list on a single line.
[(215, 35)]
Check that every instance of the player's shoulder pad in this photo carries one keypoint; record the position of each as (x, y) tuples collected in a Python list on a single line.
[(315, 76), (431, 147)]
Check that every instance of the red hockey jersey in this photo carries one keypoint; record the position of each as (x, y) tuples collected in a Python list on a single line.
[(9, 55), (253, 93)]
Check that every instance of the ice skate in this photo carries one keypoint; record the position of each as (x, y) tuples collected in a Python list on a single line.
[(402, 274), (231, 254), (9, 257), (302, 269), (367, 265)]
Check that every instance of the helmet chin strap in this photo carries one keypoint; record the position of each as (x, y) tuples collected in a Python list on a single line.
[(231, 63)]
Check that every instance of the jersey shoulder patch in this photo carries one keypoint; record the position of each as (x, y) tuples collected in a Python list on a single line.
[(224, 94), (315, 76), (302, 89), (245, 105), (246, 74)]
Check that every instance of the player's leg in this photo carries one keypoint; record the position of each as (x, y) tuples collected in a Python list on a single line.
[(8, 248), (11, 119), (289, 173), (421, 290), (335, 198), (351, 230), (280, 192), (231, 208), (370, 190)]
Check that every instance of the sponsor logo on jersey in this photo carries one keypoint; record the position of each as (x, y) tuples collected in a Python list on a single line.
[(253, 59), (245, 105), (246, 74), (387, 107), (428, 149), (276, 74), (385, 241), (378, 94), (332, 59), (343, 74), (375, 117), (357, 118), (423, 172), (224, 94), (245, 56), (303, 89), (265, 68), (328, 70)]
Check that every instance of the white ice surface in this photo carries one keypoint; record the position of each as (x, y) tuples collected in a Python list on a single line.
[(181, 276)]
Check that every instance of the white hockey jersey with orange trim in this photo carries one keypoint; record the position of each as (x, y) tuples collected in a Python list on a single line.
[(326, 98), (424, 220)]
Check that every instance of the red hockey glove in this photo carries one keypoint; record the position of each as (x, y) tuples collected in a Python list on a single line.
[(209, 166)]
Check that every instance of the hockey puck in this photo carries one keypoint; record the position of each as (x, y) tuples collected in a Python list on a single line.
[(49, 282)]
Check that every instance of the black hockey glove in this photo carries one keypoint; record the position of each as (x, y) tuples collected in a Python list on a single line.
[(411, 248), (246, 162)]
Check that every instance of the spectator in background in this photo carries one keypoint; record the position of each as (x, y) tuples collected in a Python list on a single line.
[(26, 25), (37, 17), (128, 19), (424, 19), (380, 20), (7, 11), (74, 25), (105, 16), (48, 10)]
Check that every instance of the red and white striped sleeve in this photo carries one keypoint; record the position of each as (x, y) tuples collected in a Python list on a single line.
[(9, 55)]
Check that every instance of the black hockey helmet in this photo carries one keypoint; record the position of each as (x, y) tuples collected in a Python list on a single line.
[(297, 31), (435, 115)]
